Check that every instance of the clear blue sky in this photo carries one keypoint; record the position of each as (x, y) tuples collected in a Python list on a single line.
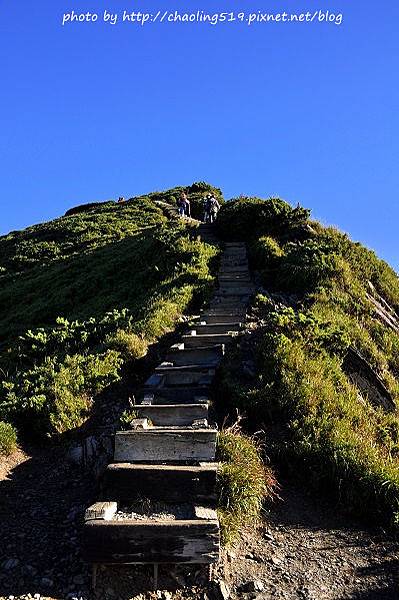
[(309, 112)]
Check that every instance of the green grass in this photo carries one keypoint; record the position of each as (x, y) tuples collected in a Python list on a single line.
[(244, 482), (8, 438), (340, 441), (81, 296)]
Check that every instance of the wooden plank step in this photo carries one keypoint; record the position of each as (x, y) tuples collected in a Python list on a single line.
[(165, 445), (211, 355), (227, 269), (202, 328), (172, 414), (235, 279), (185, 375), (132, 541), (229, 303), (235, 290), (129, 482), (223, 316), (176, 395), (195, 341)]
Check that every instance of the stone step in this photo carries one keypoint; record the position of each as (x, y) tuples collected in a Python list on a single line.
[(197, 341), (165, 444), (210, 356), (204, 327), (129, 482), (168, 415), (189, 536)]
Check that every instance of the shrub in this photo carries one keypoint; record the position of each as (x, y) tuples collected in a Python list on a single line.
[(244, 482), (130, 345), (8, 438), (250, 218)]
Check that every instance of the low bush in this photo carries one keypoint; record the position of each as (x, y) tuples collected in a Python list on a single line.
[(130, 345), (8, 438)]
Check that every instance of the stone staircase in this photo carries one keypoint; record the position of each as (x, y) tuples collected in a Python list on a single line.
[(159, 494)]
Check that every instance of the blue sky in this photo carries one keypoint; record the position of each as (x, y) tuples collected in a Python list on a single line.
[(306, 111)]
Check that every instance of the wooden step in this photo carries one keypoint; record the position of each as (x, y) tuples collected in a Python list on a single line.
[(135, 541), (229, 303), (223, 316), (197, 341), (235, 290), (169, 444), (129, 482), (184, 375), (172, 414), (176, 395), (226, 269), (210, 356), (202, 328), (236, 279)]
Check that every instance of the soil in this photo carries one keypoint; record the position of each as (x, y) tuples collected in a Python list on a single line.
[(304, 549)]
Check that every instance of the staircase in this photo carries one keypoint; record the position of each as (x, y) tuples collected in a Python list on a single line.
[(159, 494)]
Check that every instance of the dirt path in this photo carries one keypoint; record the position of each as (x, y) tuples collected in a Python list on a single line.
[(304, 550), (308, 551)]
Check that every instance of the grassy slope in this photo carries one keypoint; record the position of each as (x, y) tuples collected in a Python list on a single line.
[(340, 440), (81, 295)]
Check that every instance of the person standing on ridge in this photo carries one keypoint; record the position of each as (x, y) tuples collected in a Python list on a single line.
[(184, 199)]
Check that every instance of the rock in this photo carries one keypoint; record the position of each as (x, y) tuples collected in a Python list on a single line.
[(254, 586)]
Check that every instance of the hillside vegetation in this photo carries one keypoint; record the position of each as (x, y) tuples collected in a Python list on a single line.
[(83, 294), (328, 305)]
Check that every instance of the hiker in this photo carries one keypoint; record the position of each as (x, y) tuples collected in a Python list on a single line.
[(211, 207), (215, 206), (121, 199), (186, 201), (207, 208), (181, 205)]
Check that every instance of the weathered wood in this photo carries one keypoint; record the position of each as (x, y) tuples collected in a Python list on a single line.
[(128, 482), (101, 511), (141, 542), (192, 341), (205, 513), (187, 375), (165, 445), (209, 356), (172, 414), (224, 316), (235, 290), (223, 328), (178, 395), (228, 268)]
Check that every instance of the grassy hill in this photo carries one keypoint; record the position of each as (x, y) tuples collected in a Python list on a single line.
[(83, 294), (326, 351)]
